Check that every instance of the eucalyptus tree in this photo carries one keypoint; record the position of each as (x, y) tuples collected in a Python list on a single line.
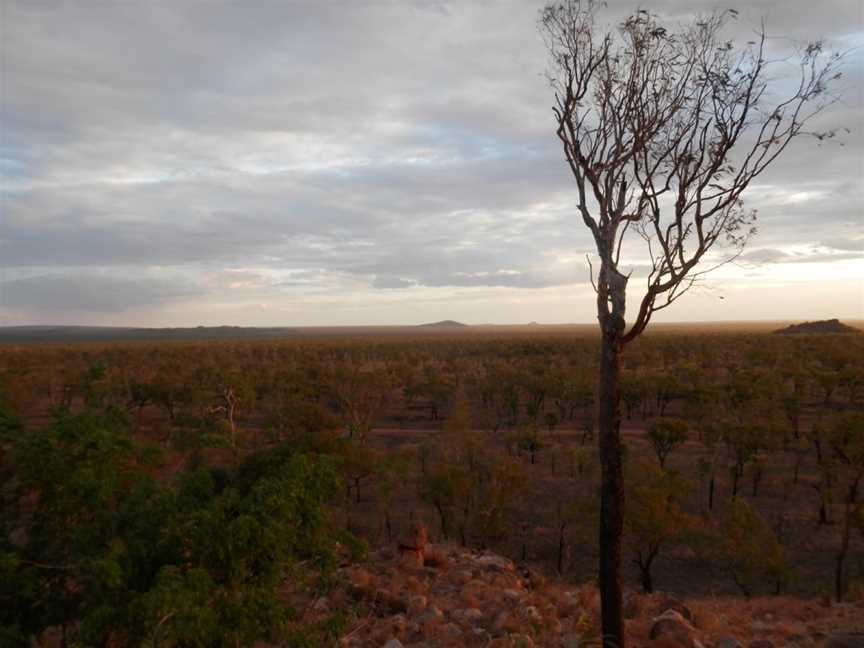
[(663, 129), (846, 437)]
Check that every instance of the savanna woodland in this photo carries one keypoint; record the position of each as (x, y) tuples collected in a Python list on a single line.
[(477, 487)]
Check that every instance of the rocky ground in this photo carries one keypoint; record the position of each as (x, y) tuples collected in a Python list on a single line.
[(437, 596)]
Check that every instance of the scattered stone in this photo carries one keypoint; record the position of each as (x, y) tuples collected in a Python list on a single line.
[(672, 624), (531, 614), (500, 620), (571, 641), (728, 642), (461, 576), (388, 603), (512, 596), (321, 605), (432, 613), (846, 640), (494, 563), (466, 615), (521, 641), (503, 580), (417, 603), (760, 643), (481, 634), (400, 625), (671, 603)]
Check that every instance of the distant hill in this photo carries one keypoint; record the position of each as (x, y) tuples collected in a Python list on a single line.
[(822, 326), (61, 334), (444, 324), (64, 334)]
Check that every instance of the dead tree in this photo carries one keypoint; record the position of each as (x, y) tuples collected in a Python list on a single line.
[(663, 130)]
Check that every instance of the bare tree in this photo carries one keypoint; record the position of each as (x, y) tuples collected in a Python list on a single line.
[(663, 130)]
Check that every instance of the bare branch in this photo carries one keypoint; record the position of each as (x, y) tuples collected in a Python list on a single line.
[(666, 128)]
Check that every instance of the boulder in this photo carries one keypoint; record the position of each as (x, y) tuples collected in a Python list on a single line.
[(512, 596), (531, 614), (494, 563), (667, 602), (432, 613), (466, 616), (672, 625)]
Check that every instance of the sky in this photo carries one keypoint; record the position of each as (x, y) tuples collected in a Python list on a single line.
[(280, 163)]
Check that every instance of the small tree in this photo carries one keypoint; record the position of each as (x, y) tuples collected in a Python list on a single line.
[(665, 435), (663, 130), (95, 548), (847, 444), (528, 439), (748, 549), (654, 516)]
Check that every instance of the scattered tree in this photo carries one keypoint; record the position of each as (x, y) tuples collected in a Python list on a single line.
[(665, 435)]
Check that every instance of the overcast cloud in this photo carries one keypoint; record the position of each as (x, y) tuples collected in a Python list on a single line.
[(264, 162)]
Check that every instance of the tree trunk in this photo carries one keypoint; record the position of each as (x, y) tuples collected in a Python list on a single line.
[(711, 494), (736, 475), (612, 486), (849, 506), (443, 518), (562, 546), (645, 577), (757, 479)]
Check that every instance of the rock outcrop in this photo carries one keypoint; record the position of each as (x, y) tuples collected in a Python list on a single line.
[(822, 326)]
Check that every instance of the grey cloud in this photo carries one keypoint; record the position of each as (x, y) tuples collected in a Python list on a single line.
[(91, 293), (396, 144), (848, 245), (764, 255), (814, 255), (392, 282)]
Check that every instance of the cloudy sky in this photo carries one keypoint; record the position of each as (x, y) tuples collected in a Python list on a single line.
[(170, 163)]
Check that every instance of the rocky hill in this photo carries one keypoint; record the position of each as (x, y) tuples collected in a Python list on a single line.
[(822, 326), (443, 324), (428, 597)]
